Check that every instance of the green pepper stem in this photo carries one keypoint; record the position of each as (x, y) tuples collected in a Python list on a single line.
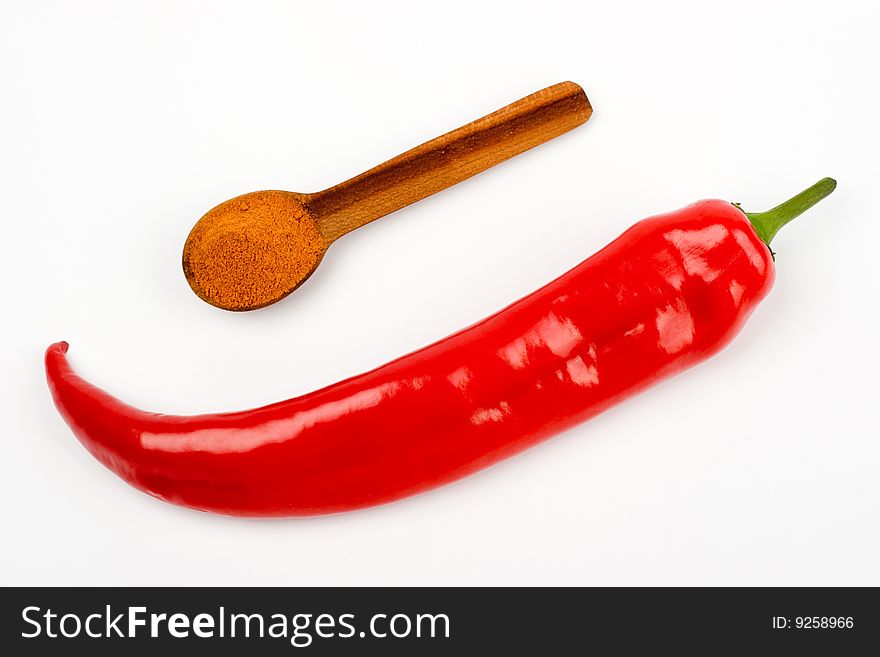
[(767, 224)]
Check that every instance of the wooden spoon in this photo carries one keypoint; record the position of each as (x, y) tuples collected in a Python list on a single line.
[(255, 249)]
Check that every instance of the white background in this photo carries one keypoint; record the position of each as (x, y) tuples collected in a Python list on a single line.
[(122, 123)]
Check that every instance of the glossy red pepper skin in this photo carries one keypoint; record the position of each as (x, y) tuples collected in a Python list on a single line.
[(668, 293)]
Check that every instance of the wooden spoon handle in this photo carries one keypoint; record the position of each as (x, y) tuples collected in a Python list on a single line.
[(446, 160)]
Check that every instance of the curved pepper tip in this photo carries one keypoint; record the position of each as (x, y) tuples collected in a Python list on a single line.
[(61, 347)]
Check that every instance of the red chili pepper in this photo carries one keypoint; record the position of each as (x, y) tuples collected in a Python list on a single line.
[(668, 293)]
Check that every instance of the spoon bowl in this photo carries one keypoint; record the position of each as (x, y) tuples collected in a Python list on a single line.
[(253, 250)]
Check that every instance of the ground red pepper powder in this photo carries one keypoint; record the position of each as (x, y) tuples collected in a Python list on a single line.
[(252, 250)]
